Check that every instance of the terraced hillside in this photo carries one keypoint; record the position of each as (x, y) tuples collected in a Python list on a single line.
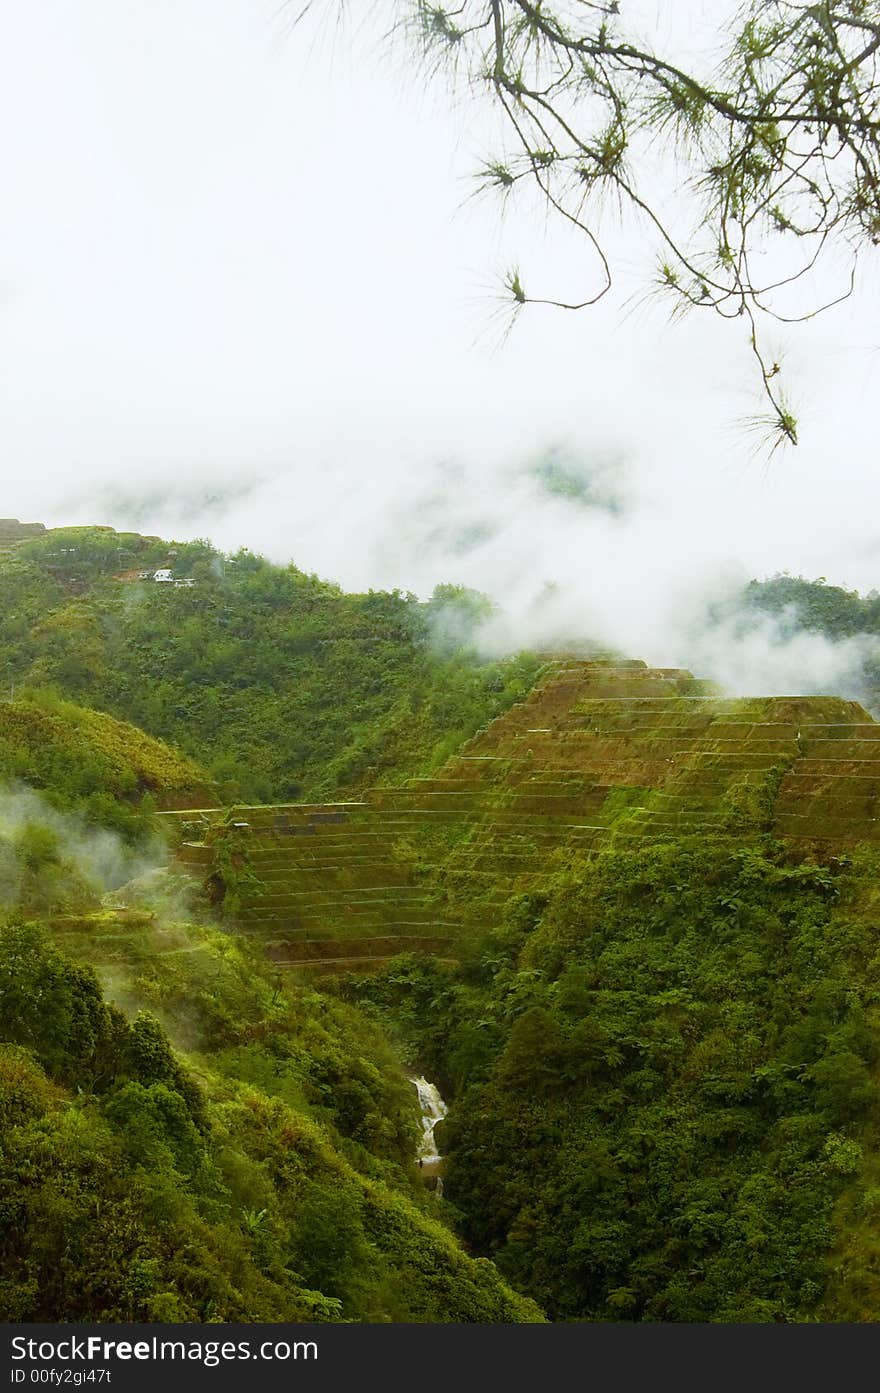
[(599, 751)]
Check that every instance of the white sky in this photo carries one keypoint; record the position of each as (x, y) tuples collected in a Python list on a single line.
[(243, 294)]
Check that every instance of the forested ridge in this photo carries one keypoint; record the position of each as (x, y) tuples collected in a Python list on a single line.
[(661, 1069), (663, 1085), (267, 1178), (281, 685), (800, 606), (185, 1135)]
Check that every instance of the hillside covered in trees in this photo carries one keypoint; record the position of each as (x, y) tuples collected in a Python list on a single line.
[(267, 1177), (185, 1136), (800, 606), (663, 1085), (646, 980), (281, 685)]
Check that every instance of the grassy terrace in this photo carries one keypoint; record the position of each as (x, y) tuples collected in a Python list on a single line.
[(598, 753)]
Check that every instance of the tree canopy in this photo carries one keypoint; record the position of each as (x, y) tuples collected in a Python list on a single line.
[(279, 684), (755, 175)]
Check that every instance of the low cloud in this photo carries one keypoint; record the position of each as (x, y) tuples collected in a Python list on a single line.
[(579, 548), (100, 858)]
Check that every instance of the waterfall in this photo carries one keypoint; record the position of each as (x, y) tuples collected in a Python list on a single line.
[(433, 1109)]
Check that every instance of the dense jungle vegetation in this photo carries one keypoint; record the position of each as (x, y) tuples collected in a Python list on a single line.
[(662, 1072), (664, 1085), (281, 685), (185, 1135), (815, 607), (268, 1178)]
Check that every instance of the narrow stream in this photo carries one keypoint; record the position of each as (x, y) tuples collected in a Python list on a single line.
[(433, 1111)]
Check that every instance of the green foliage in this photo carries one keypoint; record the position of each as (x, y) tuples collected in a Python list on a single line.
[(774, 138), (37, 846), (799, 605), (233, 880), (662, 1068), (129, 1192), (815, 606), (589, 484), (280, 684), (106, 769), (663, 1082), (748, 803), (147, 1058), (56, 1010)]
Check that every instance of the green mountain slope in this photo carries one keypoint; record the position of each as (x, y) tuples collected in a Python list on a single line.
[(79, 792), (663, 1076), (216, 1144), (81, 754), (601, 753), (280, 684), (627, 925), (265, 1178)]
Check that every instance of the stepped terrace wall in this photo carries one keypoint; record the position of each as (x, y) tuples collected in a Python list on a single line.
[(599, 752), (317, 884)]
